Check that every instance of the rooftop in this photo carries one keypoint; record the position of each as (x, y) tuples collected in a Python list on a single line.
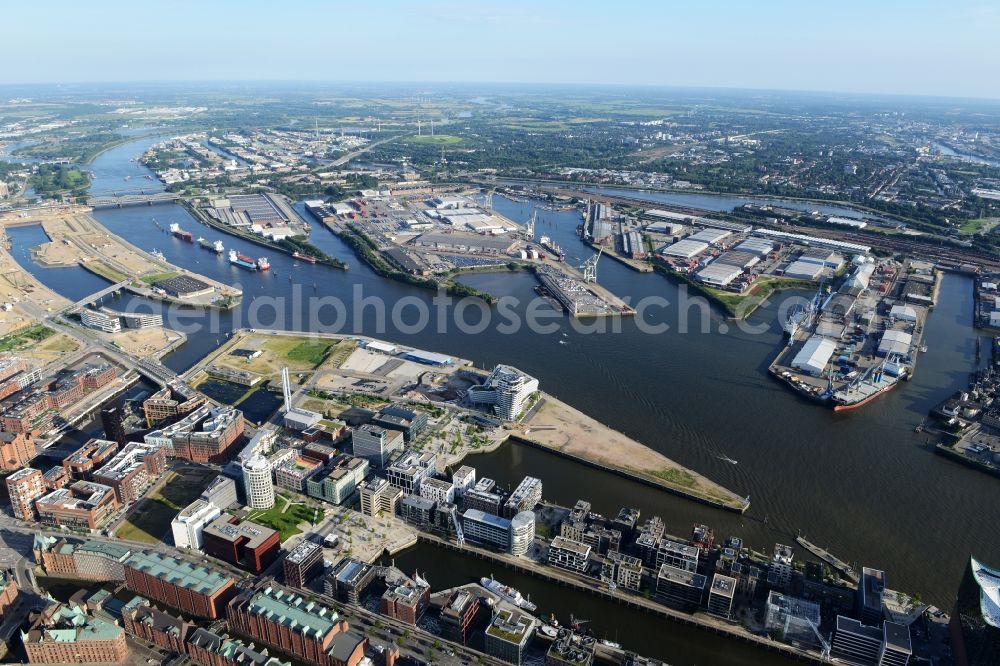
[(178, 572), (293, 611)]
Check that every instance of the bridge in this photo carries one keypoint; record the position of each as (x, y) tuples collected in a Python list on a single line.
[(133, 198), (98, 296)]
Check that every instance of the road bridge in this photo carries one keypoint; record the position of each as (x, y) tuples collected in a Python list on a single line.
[(139, 198)]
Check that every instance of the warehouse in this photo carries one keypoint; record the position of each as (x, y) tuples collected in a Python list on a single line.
[(827, 258), (685, 248), (184, 286), (427, 358), (895, 342), (741, 260), (814, 355), (719, 275), (758, 246), (802, 270), (903, 313), (465, 243), (711, 236)]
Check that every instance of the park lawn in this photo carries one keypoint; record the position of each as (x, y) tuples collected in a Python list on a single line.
[(970, 227), (150, 520), (156, 277), (25, 337), (284, 521), (302, 353)]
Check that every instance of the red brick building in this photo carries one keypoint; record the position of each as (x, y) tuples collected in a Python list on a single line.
[(156, 627), (189, 588), (64, 635), (24, 487), (83, 505), (248, 545), (132, 470), (82, 463), (16, 450), (8, 592)]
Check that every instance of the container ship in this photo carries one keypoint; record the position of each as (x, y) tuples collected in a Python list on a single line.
[(508, 594), (176, 230), (550, 245), (215, 247), (263, 264), (304, 257), (242, 261)]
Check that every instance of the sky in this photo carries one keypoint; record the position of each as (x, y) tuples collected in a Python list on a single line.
[(921, 47)]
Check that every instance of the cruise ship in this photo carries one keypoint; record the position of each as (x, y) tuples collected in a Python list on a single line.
[(215, 247), (508, 594), (242, 261)]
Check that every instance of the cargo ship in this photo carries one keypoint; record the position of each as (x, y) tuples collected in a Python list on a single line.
[(215, 247), (242, 261), (876, 381), (263, 264), (176, 230), (304, 257), (508, 594), (551, 246)]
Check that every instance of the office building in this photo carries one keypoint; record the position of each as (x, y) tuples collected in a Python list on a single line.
[(132, 470), (871, 589), (458, 615), (174, 400), (376, 444), (379, 497), (24, 487), (82, 463), (404, 599), (61, 634), (677, 554), (83, 505), (303, 563), (483, 500), (720, 595), (863, 645), (192, 589), (189, 524), (463, 479), (437, 490), (525, 497), (338, 483), (508, 634), (101, 321), (568, 554), (257, 483), (16, 450), (412, 467), (246, 544), (348, 580), (625, 571), (792, 618), (680, 588), (513, 536), (304, 629), (292, 473), (410, 422), (221, 492), (113, 423), (507, 390)]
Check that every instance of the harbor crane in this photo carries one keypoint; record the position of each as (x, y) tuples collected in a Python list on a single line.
[(589, 267), (529, 226)]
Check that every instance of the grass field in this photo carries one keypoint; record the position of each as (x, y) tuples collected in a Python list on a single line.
[(156, 277), (25, 337), (105, 271), (978, 225), (284, 518), (436, 140), (150, 519)]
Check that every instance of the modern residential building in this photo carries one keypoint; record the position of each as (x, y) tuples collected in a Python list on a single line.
[(720, 595), (376, 444), (779, 574), (187, 527), (525, 497), (508, 635), (292, 473), (437, 490), (84, 504), (458, 615), (463, 479), (680, 588), (677, 554), (205, 435), (16, 450), (303, 563), (174, 400), (514, 536), (417, 510), (506, 389), (404, 599), (339, 482), (412, 467), (24, 487), (82, 463), (101, 321), (348, 580), (304, 629), (62, 634), (794, 619), (192, 589), (624, 570), (132, 470), (568, 554), (410, 422), (861, 644), (257, 483), (379, 497), (246, 544)]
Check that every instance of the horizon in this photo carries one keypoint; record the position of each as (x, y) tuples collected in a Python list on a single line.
[(777, 47)]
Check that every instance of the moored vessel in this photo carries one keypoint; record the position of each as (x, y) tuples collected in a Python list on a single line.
[(304, 257), (507, 593)]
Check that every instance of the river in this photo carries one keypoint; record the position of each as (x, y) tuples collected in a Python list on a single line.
[(863, 484)]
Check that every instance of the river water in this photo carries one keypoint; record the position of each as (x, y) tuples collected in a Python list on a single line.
[(864, 484)]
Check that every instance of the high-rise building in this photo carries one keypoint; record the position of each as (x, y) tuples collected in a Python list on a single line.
[(189, 524), (113, 422), (257, 483), (303, 563), (680, 588), (376, 444), (514, 536), (720, 595), (24, 487), (871, 589), (507, 389), (16, 450), (132, 470), (858, 643), (83, 505), (525, 497)]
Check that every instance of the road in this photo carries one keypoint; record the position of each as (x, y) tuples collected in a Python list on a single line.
[(340, 161)]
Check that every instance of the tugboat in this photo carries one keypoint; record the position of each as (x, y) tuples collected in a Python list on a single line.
[(507, 593), (242, 261), (263, 264), (176, 230), (215, 247), (304, 257)]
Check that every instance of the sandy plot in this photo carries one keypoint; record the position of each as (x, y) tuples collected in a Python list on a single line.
[(146, 341), (362, 360)]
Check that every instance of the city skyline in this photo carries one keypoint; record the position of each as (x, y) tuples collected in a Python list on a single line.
[(884, 49)]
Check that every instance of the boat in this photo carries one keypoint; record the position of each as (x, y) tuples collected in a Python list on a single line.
[(176, 230), (242, 261), (215, 247), (157, 254), (610, 644), (263, 264), (304, 257), (873, 383), (549, 631), (507, 593), (728, 459), (551, 246)]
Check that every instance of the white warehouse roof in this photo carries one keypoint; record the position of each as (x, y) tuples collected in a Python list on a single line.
[(756, 245), (685, 248), (814, 355), (719, 274), (712, 236), (804, 270), (903, 313), (895, 342)]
